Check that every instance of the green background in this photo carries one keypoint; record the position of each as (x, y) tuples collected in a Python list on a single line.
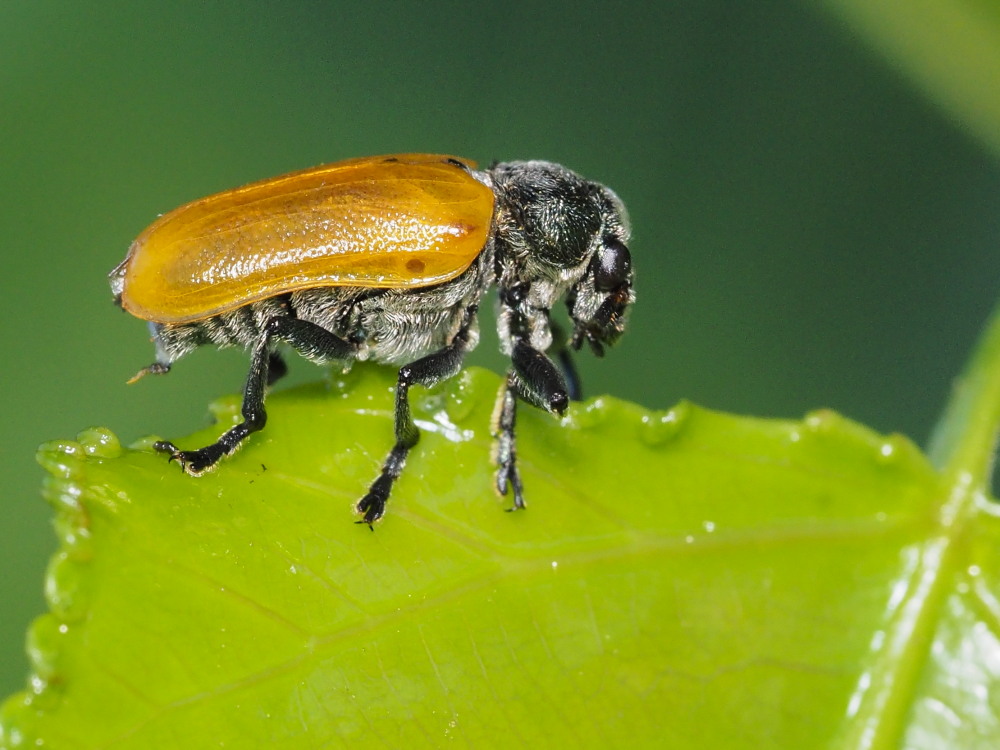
[(809, 229)]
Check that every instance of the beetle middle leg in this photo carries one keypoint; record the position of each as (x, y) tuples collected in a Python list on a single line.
[(277, 368), (426, 371), (560, 346), (266, 366), (534, 378)]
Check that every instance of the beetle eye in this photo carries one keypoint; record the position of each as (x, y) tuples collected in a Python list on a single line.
[(612, 265)]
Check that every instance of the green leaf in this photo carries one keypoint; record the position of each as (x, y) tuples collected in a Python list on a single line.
[(681, 579)]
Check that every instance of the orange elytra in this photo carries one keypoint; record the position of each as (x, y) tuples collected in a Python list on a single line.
[(396, 222)]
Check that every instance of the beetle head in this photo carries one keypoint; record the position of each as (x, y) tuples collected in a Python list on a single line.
[(599, 301), (571, 234)]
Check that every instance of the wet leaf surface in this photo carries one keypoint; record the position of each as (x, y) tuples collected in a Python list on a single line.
[(681, 579)]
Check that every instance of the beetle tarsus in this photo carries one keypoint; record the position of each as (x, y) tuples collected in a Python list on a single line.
[(508, 479), (195, 462), (507, 476), (165, 446), (372, 505)]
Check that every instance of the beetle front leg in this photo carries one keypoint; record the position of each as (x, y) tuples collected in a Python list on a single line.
[(560, 347), (427, 371), (277, 368), (306, 338), (536, 379)]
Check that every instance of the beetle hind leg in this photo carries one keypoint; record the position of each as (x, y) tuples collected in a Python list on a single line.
[(197, 462), (306, 338)]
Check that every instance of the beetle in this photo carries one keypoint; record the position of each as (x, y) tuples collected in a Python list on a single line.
[(387, 258)]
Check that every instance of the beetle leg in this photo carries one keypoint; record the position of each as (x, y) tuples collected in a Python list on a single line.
[(504, 417), (537, 380), (426, 371), (276, 368), (561, 349), (306, 338)]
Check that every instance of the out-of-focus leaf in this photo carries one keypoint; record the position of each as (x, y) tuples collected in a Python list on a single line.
[(681, 579), (949, 48)]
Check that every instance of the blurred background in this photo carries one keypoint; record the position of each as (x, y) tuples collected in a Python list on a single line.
[(815, 203)]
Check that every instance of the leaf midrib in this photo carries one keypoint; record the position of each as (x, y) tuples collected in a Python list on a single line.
[(962, 447)]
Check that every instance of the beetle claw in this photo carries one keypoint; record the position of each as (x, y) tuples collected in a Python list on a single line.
[(373, 508), (165, 446), (194, 463), (509, 479)]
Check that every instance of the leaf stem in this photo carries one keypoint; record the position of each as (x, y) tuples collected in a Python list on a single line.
[(961, 448), (963, 443)]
